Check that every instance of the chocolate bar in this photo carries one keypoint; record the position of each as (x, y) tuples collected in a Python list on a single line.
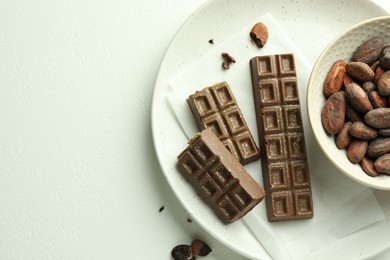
[(218, 177), (216, 108), (279, 122)]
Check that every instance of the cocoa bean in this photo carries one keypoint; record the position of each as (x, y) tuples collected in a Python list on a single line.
[(382, 164), (368, 86), (384, 84), (347, 80), (362, 131), (343, 138), (360, 71), (368, 167), (358, 98), (377, 100), (352, 115), (378, 118), (356, 150), (378, 147), (385, 59), (384, 132), (375, 65), (378, 73), (335, 77), (333, 113), (369, 51)]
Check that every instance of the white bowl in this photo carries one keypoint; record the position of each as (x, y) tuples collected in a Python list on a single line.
[(342, 47)]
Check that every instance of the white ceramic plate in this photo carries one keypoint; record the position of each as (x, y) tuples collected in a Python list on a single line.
[(311, 25)]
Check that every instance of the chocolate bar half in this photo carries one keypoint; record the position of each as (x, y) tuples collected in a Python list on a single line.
[(281, 138), (218, 177), (216, 108)]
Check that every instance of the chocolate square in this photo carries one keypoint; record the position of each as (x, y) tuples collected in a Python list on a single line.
[(215, 107)]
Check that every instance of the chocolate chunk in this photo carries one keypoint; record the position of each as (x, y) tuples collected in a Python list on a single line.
[(218, 177), (283, 157), (216, 108)]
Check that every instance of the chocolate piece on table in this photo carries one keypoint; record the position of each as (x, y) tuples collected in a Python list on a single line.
[(279, 120), (218, 177), (216, 108)]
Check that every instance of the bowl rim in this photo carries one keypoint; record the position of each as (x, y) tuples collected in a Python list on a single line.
[(309, 97)]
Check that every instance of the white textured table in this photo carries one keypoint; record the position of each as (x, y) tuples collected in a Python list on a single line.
[(79, 178)]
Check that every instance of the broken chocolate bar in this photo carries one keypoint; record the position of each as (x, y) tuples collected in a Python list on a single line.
[(279, 121), (218, 177), (216, 108)]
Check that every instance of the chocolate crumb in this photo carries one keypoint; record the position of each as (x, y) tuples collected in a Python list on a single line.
[(161, 209), (227, 60), (227, 57), (211, 41), (226, 65)]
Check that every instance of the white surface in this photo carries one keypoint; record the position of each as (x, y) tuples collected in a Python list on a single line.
[(76, 80), (339, 49)]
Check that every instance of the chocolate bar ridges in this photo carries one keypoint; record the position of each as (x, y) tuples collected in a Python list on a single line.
[(279, 121), (218, 177), (216, 108)]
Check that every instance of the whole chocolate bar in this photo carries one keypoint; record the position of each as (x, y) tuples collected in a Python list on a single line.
[(279, 122), (218, 177), (216, 108)]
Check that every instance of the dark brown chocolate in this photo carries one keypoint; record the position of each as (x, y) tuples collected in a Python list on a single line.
[(279, 120), (216, 108), (218, 177)]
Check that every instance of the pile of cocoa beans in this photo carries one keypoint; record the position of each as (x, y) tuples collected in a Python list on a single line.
[(357, 109)]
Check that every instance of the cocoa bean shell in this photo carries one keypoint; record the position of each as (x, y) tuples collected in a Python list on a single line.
[(259, 34), (181, 252)]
